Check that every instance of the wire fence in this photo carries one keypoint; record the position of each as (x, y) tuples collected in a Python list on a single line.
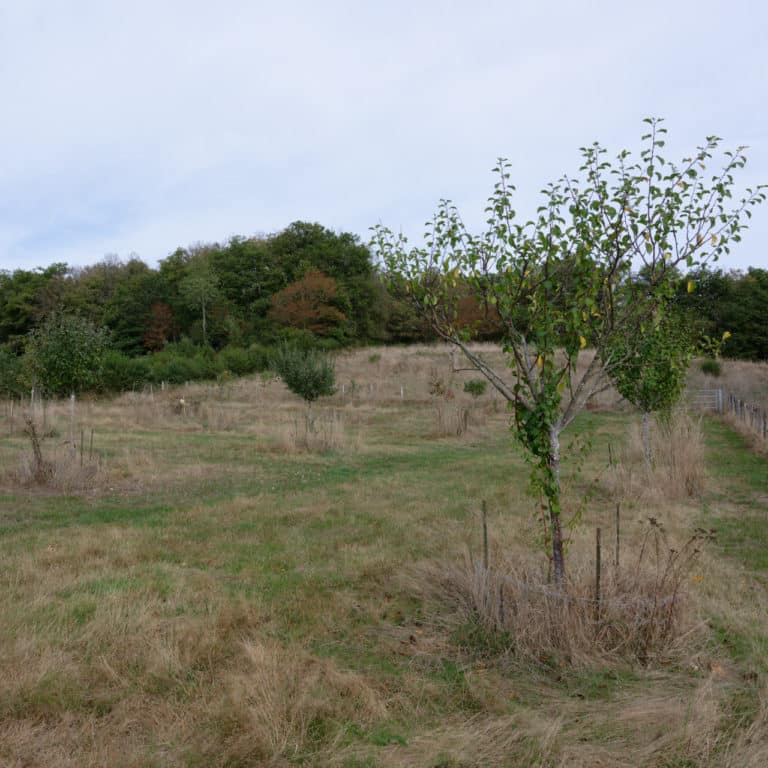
[(723, 402)]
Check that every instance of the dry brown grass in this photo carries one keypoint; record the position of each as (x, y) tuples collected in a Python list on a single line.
[(326, 433), (745, 379), (63, 473), (642, 613), (493, 742), (750, 748), (752, 434), (281, 703), (678, 469), (59, 469)]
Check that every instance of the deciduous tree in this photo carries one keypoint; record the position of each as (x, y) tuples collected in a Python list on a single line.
[(65, 355), (653, 366), (310, 303), (160, 326), (565, 279), (200, 286), (307, 373)]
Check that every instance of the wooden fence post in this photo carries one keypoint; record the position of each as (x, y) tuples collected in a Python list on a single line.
[(597, 575)]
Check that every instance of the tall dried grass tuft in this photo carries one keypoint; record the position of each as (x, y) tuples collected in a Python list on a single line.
[(678, 462), (326, 434), (65, 473), (641, 615), (451, 417), (750, 749), (286, 703), (496, 741), (680, 456), (217, 417), (451, 413)]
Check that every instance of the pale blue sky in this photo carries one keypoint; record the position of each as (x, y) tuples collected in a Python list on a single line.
[(141, 126)]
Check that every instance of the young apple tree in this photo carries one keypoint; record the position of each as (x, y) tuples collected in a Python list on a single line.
[(566, 279), (64, 356), (653, 372), (307, 373)]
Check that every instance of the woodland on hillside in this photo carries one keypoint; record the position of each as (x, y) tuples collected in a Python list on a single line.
[(217, 308)]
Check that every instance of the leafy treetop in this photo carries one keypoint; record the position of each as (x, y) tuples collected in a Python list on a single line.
[(66, 354)]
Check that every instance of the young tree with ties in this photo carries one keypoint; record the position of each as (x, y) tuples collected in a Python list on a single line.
[(567, 279)]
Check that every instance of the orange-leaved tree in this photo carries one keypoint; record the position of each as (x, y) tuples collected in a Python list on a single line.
[(160, 326), (311, 303)]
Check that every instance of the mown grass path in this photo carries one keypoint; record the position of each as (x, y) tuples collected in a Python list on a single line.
[(742, 480)]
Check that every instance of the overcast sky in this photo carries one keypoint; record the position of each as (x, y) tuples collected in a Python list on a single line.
[(138, 126)]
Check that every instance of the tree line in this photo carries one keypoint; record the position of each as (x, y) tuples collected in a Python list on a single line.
[(205, 310), (217, 308), (247, 290)]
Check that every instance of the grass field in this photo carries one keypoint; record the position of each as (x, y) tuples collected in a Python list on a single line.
[(206, 590)]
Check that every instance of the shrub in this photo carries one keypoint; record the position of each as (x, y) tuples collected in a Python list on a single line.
[(243, 361), (175, 370), (183, 348), (65, 354), (297, 338), (260, 356), (121, 373), (206, 363), (307, 373), (711, 367), (179, 363), (330, 343), (235, 360), (10, 373), (475, 387), (184, 361)]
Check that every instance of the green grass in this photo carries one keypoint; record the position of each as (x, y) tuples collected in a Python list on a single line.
[(743, 479)]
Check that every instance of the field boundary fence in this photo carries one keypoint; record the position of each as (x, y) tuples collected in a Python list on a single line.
[(727, 403)]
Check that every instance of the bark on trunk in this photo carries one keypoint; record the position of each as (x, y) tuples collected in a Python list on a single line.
[(205, 334), (647, 440), (558, 558), (310, 425)]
